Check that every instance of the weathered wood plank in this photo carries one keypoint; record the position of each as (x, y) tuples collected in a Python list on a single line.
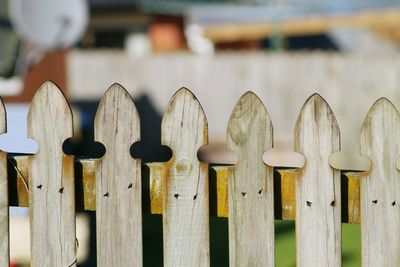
[(51, 183), (380, 194), (250, 185), (118, 182), (4, 203), (318, 204), (185, 188)]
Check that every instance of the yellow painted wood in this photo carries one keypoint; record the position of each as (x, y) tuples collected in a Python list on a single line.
[(158, 174), (353, 196), (285, 199), (288, 193), (88, 197), (222, 190), (51, 181)]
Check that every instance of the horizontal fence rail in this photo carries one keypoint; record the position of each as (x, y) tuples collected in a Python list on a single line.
[(153, 174), (187, 192)]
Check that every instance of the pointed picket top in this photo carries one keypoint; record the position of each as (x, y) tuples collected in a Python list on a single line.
[(4, 214), (251, 199), (117, 121), (51, 180), (48, 102), (318, 198), (316, 122), (380, 195), (380, 117), (186, 207), (249, 128), (184, 125), (118, 182)]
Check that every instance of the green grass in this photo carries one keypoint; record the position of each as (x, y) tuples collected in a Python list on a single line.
[(285, 244)]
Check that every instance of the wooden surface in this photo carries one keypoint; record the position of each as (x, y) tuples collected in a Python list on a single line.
[(284, 195), (380, 195), (221, 183), (318, 198), (288, 193), (157, 175), (232, 74), (4, 203), (51, 181), (251, 200), (118, 182), (231, 32), (352, 213), (185, 189)]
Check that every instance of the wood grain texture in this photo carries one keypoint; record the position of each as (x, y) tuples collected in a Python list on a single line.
[(318, 203), (288, 193), (158, 170), (250, 185), (4, 217), (51, 181), (118, 182), (186, 207), (380, 195), (353, 196), (284, 196), (222, 190)]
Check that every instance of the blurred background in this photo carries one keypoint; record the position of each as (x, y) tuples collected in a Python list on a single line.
[(283, 50)]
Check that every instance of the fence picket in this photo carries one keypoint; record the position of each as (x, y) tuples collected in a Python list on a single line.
[(251, 200), (380, 195), (118, 182), (318, 203), (4, 218), (185, 196), (51, 181)]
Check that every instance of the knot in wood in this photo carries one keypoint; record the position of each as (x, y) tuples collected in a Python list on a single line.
[(183, 167)]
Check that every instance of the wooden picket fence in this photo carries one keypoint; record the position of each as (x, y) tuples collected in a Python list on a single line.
[(318, 197)]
